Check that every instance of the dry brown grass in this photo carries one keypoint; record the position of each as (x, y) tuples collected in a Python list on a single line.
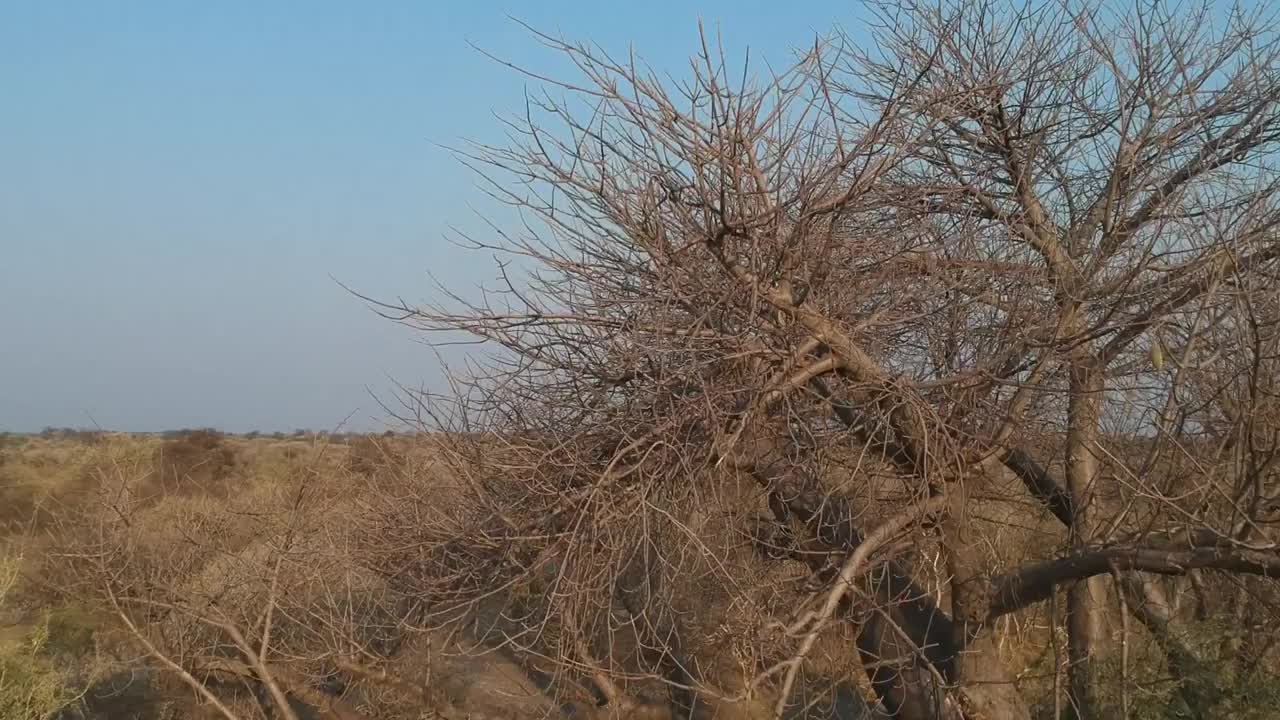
[(174, 510), (39, 475), (312, 506)]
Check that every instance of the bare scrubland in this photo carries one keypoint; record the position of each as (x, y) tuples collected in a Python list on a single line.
[(134, 562), (137, 568)]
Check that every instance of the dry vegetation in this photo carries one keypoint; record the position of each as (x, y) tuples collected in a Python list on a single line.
[(933, 379), (123, 585)]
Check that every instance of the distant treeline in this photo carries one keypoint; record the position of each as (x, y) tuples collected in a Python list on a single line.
[(93, 435)]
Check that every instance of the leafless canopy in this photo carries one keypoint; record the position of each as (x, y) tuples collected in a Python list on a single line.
[(1035, 245)]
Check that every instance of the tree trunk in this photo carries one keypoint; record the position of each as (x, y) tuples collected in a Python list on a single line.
[(985, 685), (1085, 597), (639, 588), (970, 576)]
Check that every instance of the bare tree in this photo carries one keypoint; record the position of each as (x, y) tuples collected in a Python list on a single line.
[(997, 244)]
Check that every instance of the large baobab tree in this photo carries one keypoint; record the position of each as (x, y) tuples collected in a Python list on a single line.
[(991, 245)]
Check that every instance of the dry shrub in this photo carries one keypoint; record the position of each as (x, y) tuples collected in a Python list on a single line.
[(18, 504), (14, 500), (195, 461), (367, 454), (39, 475)]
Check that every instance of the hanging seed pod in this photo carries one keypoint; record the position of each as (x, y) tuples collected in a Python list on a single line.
[(1157, 356)]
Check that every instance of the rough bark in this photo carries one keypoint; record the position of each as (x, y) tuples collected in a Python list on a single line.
[(1084, 597), (918, 659), (1025, 586)]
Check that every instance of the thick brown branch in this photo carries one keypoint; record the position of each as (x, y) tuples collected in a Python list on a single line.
[(1026, 586)]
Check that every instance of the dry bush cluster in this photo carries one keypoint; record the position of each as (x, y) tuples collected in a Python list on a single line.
[(40, 476), (193, 461), (370, 454)]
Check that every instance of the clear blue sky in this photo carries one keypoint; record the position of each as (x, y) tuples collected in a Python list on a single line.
[(179, 180)]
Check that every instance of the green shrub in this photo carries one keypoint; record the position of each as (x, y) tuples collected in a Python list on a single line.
[(30, 689), (31, 685)]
